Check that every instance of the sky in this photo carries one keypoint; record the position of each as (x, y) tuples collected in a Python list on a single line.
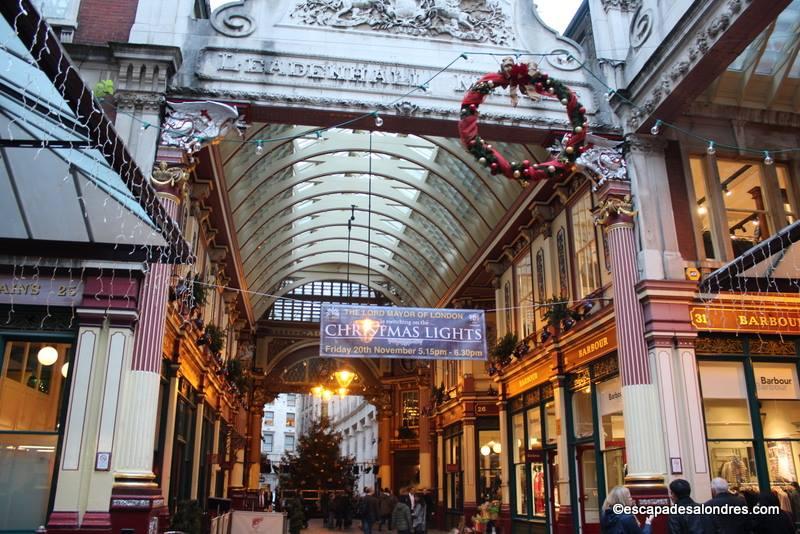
[(555, 13)]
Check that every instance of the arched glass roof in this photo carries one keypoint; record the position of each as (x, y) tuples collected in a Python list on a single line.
[(431, 206)]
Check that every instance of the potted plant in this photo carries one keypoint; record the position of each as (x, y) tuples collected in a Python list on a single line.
[(188, 518), (236, 376), (104, 91), (558, 317), (215, 337), (500, 354)]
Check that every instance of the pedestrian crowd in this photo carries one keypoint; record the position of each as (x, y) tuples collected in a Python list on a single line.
[(692, 518), (410, 513)]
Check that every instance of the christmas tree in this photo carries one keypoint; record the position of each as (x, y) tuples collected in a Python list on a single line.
[(317, 462)]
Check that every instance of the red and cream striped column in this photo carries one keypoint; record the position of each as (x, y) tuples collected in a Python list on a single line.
[(644, 445), (137, 499)]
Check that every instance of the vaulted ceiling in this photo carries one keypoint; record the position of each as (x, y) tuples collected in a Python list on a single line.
[(421, 207)]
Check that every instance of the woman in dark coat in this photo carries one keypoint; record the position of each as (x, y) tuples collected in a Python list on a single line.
[(621, 523), (779, 523)]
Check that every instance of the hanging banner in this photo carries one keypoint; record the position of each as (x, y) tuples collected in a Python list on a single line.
[(348, 331)]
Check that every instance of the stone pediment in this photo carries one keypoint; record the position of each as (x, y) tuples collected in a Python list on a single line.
[(361, 55)]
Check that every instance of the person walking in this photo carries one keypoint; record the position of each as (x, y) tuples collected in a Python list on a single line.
[(687, 522), (297, 517), (418, 515), (340, 505), (773, 523), (729, 523), (612, 522), (386, 504), (401, 516), (368, 510)]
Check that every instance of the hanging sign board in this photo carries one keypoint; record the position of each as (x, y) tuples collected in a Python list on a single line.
[(348, 331)]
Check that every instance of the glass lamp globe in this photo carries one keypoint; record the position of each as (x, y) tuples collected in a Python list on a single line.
[(496, 448), (485, 450), (47, 355), (65, 370)]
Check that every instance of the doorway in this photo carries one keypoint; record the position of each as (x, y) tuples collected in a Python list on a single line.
[(588, 491), (405, 470)]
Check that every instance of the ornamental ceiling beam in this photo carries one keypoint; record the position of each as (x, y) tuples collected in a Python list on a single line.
[(329, 232), (334, 253), (710, 37), (307, 278), (287, 226)]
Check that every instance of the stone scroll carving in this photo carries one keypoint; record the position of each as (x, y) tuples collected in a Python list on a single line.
[(229, 20), (468, 20), (193, 125)]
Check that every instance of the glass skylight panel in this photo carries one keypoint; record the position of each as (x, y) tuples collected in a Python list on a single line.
[(780, 41)]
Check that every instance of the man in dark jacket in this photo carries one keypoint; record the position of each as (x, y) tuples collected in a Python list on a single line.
[(684, 523), (369, 510), (722, 523), (386, 504)]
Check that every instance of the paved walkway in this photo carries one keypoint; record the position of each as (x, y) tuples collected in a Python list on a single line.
[(315, 527)]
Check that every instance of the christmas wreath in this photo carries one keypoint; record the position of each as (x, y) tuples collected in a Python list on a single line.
[(530, 81)]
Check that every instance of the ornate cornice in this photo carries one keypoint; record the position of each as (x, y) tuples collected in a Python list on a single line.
[(670, 75), (621, 5), (130, 100), (644, 144)]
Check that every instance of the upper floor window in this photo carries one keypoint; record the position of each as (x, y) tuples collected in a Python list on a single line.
[(524, 293), (269, 438), (288, 442), (291, 400), (739, 203), (585, 236), (290, 419), (410, 408), (269, 418), (450, 373)]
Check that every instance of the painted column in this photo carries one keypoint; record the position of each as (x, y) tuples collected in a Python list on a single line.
[(169, 429), (140, 401), (385, 447), (200, 399), (440, 504), (505, 467), (641, 409), (103, 348), (254, 442), (563, 522), (425, 452), (216, 453), (469, 461)]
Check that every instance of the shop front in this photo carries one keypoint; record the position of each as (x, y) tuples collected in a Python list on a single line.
[(534, 460), (597, 437), (751, 404)]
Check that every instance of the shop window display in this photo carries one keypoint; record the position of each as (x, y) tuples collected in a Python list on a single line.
[(582, 417), (489, 465), (612, 440), (32, 391), (728, 427), (518, 439), (779, 399)]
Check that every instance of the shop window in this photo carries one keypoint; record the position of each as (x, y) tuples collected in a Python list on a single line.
[(524, 293), (31, 397), (454, 498), (550, 423), (269, 418), (489, 465), (410, 408), (585, 238), (778, 394), (520, 467), (582, 417), (728, 427), (534, 428), (612, 439), (290, 419), (269, 439), (754, 203)]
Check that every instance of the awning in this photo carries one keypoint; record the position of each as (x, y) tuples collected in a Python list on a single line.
[(771, 266), (68, 186)]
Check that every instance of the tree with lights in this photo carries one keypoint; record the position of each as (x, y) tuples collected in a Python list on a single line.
[(317, 463)]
